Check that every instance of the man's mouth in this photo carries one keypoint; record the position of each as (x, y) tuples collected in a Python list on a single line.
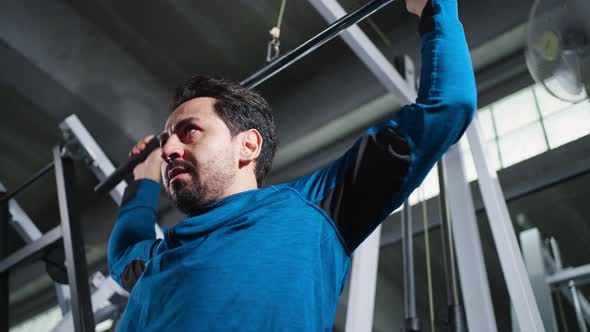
[(176, 173)]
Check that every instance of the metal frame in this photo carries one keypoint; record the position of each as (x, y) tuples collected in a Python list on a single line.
[(477, 300), (411, 322), (73, 242), (103, 305), (32, 251), (546, 272), (580, 274), (336, 27), (363, 283), (504, 236), (100, 298), (511, 261), (71, 234), (369, 54), (81, 145), (4, 276), (29, 232), (386, 74), (532, 251), (359, 316)]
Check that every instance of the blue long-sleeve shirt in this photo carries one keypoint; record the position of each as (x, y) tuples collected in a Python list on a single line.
[(277, 258)]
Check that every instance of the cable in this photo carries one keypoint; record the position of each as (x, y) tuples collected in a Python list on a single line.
[(273, 47), (452, 259), (561, 311), (428, 262), (281, 14)]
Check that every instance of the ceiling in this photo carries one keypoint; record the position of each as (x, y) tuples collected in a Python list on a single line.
[(115, 64)]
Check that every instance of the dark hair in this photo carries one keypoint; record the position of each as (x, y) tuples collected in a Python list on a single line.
[(240, 108)]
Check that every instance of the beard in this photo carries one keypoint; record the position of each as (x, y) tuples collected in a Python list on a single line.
[(202, 188)]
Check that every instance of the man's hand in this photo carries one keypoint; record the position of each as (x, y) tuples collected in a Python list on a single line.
[(150, 168), (416, 6)]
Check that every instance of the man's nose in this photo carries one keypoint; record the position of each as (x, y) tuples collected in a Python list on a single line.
[(172, 149)]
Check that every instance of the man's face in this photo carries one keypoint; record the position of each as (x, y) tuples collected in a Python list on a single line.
[(201, 157)]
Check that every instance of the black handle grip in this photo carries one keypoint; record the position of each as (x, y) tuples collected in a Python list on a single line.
[(124, 170)]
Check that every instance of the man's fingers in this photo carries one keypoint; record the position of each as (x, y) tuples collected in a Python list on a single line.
[(140, 146), (147, 139)]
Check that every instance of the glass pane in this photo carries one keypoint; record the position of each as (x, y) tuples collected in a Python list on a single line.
[(493, 154), (515, 111), (568, 125), (548, 103), (522, 144), (486, 124)]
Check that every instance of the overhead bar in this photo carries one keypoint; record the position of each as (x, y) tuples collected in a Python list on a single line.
[(314, 43), (257, 78), (27, 183)]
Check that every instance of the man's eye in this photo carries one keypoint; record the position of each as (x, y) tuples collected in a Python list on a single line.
[(189, 130)]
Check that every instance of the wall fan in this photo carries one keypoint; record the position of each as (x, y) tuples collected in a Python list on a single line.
[(558, 47)]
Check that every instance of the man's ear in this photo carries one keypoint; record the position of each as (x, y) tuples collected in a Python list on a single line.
[(251, 145)]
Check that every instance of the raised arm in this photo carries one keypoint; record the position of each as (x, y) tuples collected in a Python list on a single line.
[(134, 237), (375, 176)]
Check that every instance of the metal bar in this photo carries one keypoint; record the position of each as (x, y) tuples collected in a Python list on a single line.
[(29, 232), (369, 54), (73, 243), (22, 224), (4, 276), (556, 253), (554, 266), (363, 282), (577, 307), (584, 305), (126, 169), (532, 251), (314, 43), (411, 322), (258, 77), (31, 251), (20, 221), (408, 262), (581, 275), (76, 133), (100, 299), (442, 201), (472, 272), (79, 139), (511, 261), (455, 310), (33, 178)]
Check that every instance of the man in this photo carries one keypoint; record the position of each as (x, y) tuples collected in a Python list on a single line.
[(255, 258)]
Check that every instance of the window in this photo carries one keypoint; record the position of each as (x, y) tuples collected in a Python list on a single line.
[(518, 127), (568, 125)]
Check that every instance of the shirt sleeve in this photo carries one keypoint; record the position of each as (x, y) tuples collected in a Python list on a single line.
[(134, 236), (378, 173)]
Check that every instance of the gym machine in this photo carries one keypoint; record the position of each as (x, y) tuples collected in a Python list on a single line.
[(80, 145), (81, 307), (473, 278), (459, 203), (549, 277), (474, 285)]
